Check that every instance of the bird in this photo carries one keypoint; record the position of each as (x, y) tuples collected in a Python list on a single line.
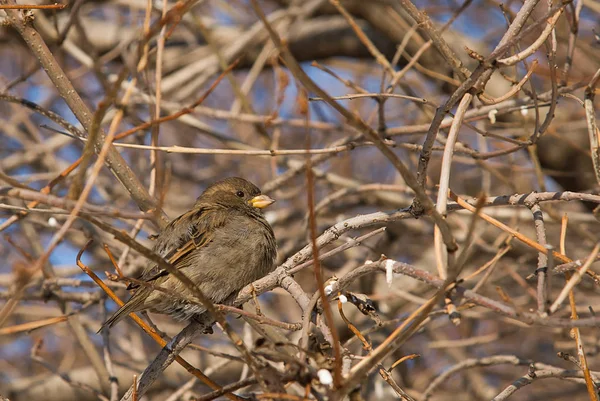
[(222, 244)]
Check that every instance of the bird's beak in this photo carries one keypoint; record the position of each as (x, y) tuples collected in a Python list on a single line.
[(261, 201)]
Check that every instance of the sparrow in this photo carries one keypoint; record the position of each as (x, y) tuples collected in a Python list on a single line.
[(222, 244)]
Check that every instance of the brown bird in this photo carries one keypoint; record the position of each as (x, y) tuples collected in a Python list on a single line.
[(222, 244)]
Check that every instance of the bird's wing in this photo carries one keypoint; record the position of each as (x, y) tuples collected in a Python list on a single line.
[(192, 230)]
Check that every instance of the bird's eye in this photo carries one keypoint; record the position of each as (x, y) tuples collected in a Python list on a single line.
[(240, 194)]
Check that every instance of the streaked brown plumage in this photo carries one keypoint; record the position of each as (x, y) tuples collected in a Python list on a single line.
[(222, 244)]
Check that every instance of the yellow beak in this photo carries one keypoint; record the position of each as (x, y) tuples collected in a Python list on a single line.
[(261, 201)]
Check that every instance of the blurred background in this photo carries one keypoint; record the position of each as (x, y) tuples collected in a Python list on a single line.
[(131, 62)]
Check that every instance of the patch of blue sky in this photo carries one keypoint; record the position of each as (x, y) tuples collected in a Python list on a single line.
[(289, 107), (588, 19), (122, 225), (60, 191), (551, 185), (467, 24), (21, 173), (220, 126), (62, 109), (262, 98), (330, 85), (64, 253), (19, 346), (11, 230), (36, 93), (69, 153), (227, 16), (9, 145)]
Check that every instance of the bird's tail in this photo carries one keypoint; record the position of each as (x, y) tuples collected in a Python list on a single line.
[(135, 303)]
